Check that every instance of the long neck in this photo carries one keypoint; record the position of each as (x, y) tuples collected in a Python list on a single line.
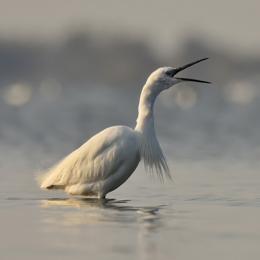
[(149, 148), (145, 120)]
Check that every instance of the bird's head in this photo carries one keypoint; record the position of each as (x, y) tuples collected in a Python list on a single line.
[(165, 77)]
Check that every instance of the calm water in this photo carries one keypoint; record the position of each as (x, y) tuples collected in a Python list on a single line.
[(212, 210)]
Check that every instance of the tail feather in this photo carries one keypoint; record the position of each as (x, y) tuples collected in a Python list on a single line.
[(59, 175), (47, 181)]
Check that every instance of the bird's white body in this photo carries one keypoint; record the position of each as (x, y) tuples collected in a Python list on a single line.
[(99, 166), (109, 158)]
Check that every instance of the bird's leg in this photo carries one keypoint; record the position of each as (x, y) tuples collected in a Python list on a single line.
[(101, 196)]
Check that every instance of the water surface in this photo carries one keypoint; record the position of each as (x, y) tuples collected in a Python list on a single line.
[(211, 211), (208, 213)]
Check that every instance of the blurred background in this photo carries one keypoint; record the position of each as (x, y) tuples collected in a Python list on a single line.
[(68, 69)]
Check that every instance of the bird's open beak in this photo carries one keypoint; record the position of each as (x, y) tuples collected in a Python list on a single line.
[(177, 70)]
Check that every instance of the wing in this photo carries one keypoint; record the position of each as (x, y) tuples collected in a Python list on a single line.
[(95, 160)]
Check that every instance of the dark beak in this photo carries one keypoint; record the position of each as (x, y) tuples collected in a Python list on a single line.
[(177, 70)]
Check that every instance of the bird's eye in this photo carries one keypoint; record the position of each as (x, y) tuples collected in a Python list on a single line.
[(169, 73)]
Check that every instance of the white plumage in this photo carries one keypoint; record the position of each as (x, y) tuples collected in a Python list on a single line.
[(109, 158)]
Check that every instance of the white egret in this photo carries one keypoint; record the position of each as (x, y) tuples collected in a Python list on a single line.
[(109, 158)]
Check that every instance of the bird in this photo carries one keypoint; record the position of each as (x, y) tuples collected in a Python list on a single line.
[(109, 158)]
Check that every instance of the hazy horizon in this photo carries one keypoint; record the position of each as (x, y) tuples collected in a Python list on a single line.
[(164, 24)]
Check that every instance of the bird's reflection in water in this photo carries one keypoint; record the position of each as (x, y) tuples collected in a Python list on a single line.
[(91, 210), (109, 217)]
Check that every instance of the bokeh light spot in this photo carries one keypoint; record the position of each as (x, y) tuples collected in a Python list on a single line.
[(17, 94), (240, 92), (186, 97)]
